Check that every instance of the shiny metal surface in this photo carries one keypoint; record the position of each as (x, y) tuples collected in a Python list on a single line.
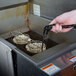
[(7, 3), (12, 19), (49, 10), (6, 63), (52, 8), (38, 23), (63, 61), (52, 55), (26, 66)]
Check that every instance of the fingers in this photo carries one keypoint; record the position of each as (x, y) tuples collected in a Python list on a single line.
[(63, 19), (58, 29), (66, 30)]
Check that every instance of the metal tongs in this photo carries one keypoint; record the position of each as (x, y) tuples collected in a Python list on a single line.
[(49, 27)]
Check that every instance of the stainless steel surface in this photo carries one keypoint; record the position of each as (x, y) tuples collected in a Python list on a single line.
[(26, 66), (12, 19), (10, 23), (6, 3), (50, 53), (38, 23), (14, 32), (64, 61), (22, 62), (49, 10), (40, 60), (52, 8), (24, 59), (6, 64)]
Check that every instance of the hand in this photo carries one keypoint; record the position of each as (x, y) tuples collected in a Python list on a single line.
[(67, 18)]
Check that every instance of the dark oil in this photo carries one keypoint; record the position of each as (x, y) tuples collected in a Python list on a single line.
[(35, 36)]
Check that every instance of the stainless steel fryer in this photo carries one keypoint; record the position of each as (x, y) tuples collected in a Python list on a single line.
[(33, 35), (38, 64), (58, 60)]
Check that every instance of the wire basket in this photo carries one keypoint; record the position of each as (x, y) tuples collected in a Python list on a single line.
[(35, 46), (21, 39)]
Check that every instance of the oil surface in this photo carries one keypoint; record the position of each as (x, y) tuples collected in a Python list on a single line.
[(35, 36)]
